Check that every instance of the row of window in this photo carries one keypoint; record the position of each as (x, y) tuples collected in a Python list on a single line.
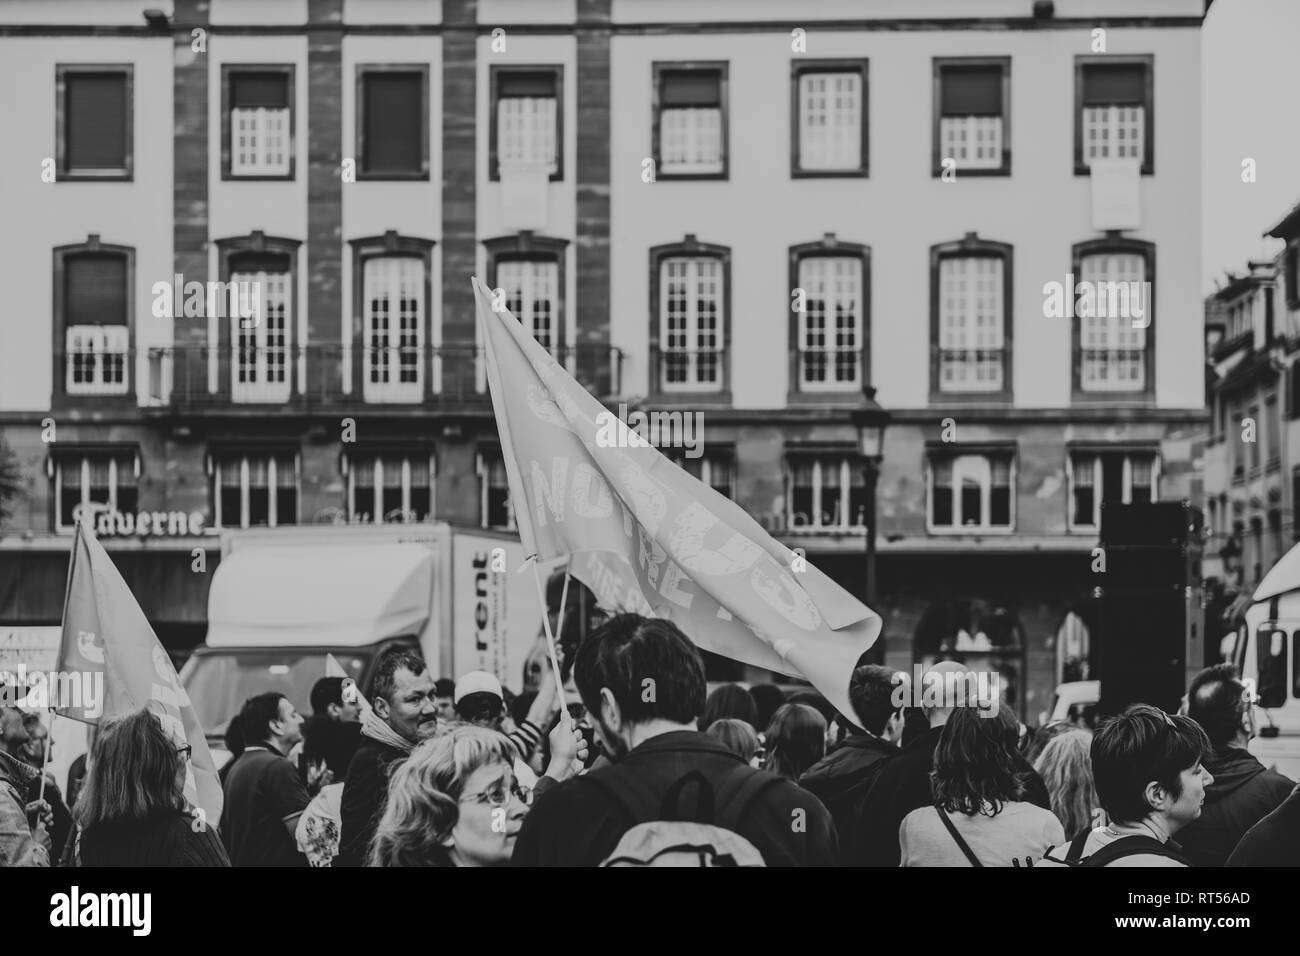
[(971, 118), (970, 303), (965, 491)]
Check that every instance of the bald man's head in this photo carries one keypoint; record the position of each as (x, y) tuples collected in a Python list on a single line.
[(951, 682)]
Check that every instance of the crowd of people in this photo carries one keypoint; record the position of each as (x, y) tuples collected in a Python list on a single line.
[(647, 768)]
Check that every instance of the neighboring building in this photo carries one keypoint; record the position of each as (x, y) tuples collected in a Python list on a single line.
[(620, 169)]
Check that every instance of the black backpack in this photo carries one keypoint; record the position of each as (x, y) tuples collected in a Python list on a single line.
[(660, 837), (1115, 850)]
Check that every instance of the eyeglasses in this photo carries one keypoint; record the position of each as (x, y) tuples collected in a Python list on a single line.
[(499, 795), (185, 751)]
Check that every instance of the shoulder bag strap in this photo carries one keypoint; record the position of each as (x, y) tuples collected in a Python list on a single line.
[(965, 847)]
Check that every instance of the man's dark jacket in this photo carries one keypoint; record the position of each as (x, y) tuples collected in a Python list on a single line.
[(1273, 841), (841, 779), (578, 823), (903, 785), (365, 792), (1243, 793)]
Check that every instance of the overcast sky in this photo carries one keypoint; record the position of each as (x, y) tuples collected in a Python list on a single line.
[(1250, 88)]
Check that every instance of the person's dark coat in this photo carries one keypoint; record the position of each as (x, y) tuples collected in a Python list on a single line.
[(166, 839), (1243, 793), (579, 823), (365, 792), (903, 785), (1274, 840), (841, 779)]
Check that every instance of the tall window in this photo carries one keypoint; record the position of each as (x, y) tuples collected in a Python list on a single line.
[(971, 492), (94, 125), (830, 326), (717, 470), (527, 126), (255, 490), (690, 315), (1113, 97), (93, 310), (260, 358), (82, 481), (1272, 429), (392, 122), (393, 296), (1115, 477), (259, 122), (1114, 344), (690, 117), (495, 507), (824, 493), (390, 488), (531, 288), (972, 127), (971, 347), (830, 117)]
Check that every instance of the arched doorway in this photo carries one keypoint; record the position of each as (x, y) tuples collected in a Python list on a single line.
[(984, 635)]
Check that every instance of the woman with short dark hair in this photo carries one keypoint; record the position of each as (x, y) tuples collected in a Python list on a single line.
[(795, 740), (132, 809), (981, 815)]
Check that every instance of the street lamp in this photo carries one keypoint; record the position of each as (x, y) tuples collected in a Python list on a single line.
[(871, 421)]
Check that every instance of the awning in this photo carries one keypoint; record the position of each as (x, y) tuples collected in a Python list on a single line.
[(342, 596)]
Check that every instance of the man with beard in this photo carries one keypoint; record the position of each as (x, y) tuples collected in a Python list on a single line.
[(403, 712), (642, 681)]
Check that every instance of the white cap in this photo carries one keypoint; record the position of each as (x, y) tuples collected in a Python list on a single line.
[(476, 682)]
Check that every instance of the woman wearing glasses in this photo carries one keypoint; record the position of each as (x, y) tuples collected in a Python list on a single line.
[(453, 802), (132, 809)]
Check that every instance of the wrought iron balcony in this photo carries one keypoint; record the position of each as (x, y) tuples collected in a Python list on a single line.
[(328, 377)]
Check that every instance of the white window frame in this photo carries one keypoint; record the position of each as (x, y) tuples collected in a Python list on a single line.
[(830, 121), (1105, 126), (961, 329), (1126, 494), (974, 142), (534, 279), (1112, 333), (978, 466), (410, 464), (99, 342), (275, 317), (267, 151), (707, 464), (840, 463), (841, 280), (482, 465), (695, 277), (690, 140), (272, 484), (396, 272), (526, 131), (83, 466)]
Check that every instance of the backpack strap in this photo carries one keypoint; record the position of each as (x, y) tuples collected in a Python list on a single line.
[(957, 837), (629, 791), (1133, 846), (738, 792), (1076, 846)]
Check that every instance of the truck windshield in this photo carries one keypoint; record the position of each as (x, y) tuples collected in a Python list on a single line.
[(218, 683)]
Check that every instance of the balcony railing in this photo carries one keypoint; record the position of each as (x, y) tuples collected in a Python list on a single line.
[(329, 376)]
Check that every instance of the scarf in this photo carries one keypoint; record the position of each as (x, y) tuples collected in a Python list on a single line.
[(374, 728)]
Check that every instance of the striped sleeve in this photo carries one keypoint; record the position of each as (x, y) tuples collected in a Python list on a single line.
[(526, 737)]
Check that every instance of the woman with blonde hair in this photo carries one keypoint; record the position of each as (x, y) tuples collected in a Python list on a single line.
[(453, 802), (1066, 768)]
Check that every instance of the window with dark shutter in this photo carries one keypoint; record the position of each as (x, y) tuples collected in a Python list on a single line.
[(690, 88), (253, 90), (971, 128), (96, 290), (971, 91), (96, 122), (393, 124), (1120, 84)]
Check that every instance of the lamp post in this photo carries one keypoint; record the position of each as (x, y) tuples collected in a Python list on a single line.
[(871, 421)]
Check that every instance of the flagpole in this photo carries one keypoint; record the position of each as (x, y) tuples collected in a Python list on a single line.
[(565, 718), (45, 759)]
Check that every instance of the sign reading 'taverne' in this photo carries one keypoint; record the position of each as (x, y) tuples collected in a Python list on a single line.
[(107, 521)]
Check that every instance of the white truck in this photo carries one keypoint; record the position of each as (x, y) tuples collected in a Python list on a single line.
[(1267, 650), (283, 598)]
